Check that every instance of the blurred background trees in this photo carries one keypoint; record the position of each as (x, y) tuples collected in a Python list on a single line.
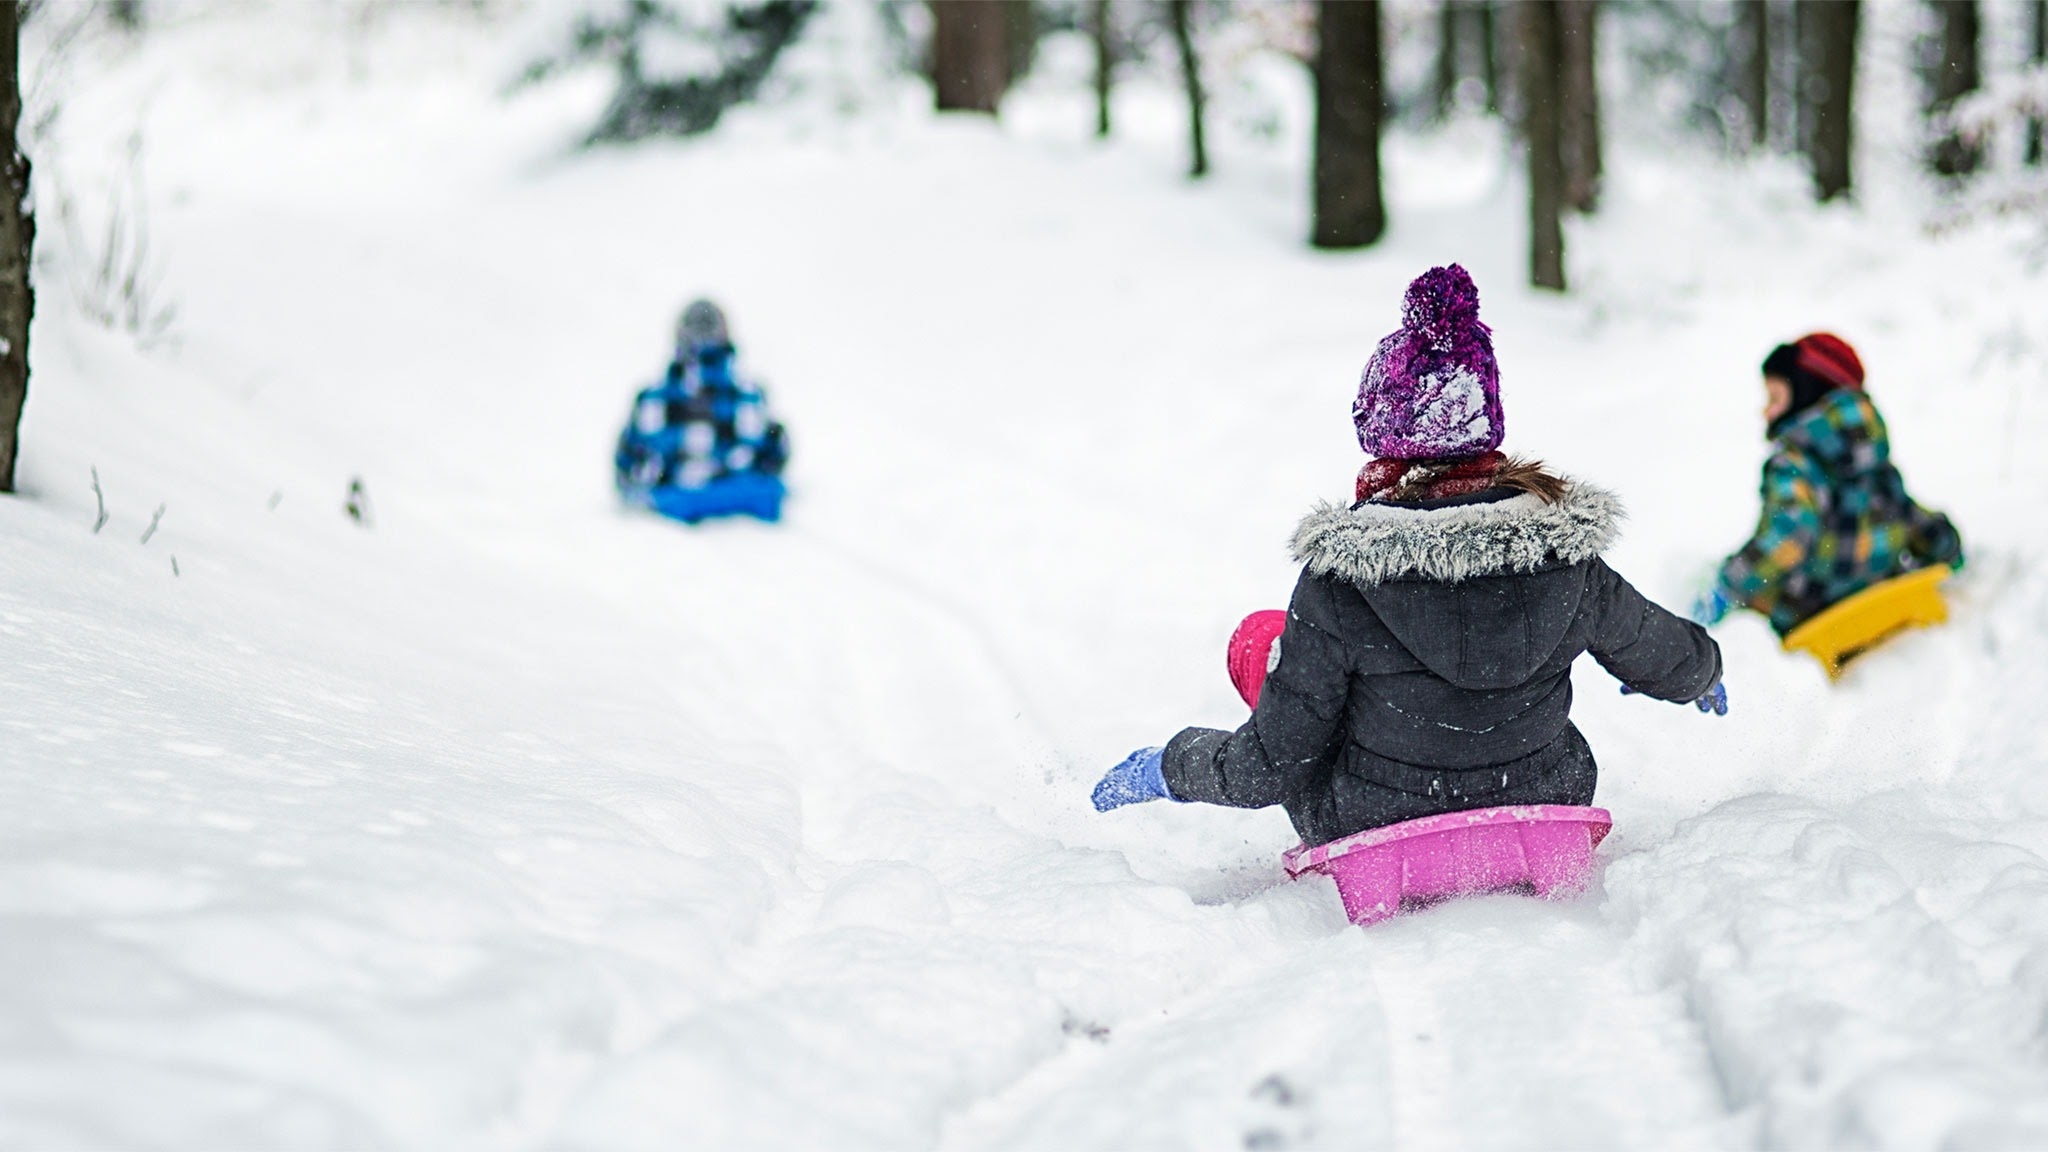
[(1763, 81), (1767, 83), (1758, 78), (677, 70)]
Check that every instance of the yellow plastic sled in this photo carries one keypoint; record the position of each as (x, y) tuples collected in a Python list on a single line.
[(1868, 617)]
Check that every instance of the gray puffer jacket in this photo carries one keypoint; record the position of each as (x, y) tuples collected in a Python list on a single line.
[(1426, 664)]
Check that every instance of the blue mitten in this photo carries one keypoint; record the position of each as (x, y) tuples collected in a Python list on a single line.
[(1710, 608), (1138, 779), (1715, 701)]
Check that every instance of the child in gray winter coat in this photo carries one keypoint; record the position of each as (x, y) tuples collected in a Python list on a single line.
[(1425, 665)]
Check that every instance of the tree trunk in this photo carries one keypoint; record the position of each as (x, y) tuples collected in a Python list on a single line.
[(1783, 17), (970, 55), (1105, 66), (1445, 91), (1489, 55), (1806, 55), (1020, 40), (1579, 96), (1350, 209), (1959, 76), (1753, 68), (2034, 133), (1831, 84), (1191, 77), (17, 243), (1537, 63)]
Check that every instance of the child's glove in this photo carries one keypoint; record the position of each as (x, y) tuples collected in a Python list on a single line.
[(1715, 700), (1138, 779), (1711, 607)]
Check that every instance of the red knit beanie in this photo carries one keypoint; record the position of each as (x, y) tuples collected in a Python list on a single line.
[(1829, 357)]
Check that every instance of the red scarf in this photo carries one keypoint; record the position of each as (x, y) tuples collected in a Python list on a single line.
[(1429, 479)]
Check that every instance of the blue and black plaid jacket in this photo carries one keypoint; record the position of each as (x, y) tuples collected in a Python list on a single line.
[(701, 424)]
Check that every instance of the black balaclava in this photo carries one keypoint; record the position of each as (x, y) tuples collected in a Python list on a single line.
[(1807, 388)]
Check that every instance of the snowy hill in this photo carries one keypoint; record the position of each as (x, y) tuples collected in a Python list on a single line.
[(515, 820)]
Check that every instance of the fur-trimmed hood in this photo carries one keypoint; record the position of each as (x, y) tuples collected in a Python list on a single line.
[(1372, 544)]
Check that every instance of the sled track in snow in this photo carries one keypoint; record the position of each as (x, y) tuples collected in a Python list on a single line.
[(1494, 1023)]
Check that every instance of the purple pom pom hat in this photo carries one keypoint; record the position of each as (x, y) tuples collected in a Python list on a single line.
[(1432, 390)]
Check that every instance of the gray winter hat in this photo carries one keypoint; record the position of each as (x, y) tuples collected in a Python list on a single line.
[(701, 323)]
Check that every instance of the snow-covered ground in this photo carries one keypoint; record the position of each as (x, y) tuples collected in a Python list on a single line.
[(516, 821)]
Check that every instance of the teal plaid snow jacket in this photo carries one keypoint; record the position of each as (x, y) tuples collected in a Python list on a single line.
[(1836, 517)]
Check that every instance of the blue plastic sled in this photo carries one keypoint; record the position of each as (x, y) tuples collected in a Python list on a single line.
[(740, 494)]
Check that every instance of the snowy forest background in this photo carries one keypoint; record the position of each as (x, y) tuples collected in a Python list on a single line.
[(374, 780)]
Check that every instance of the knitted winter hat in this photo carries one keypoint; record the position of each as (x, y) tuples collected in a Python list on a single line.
[(701, 323), (1432, 389), (1829, 357)]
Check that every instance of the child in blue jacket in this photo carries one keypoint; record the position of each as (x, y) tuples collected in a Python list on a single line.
[(702, 443)]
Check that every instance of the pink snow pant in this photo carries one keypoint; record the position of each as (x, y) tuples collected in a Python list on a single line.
[(1254, 652)]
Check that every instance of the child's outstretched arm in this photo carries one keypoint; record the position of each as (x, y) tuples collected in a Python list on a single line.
[(1786, 532), (1648, 649), (1292, 740), (1932, 538)]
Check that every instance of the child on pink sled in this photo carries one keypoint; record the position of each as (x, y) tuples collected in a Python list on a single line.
[(1413, 710)]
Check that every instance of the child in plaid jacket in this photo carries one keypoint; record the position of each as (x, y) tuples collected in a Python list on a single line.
[(702, 443), (1836, 517)]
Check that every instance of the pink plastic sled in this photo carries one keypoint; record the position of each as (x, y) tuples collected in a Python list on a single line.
[(1547, 848)]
